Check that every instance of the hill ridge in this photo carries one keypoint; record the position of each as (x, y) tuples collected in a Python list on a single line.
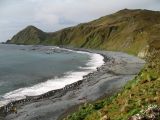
[(128, 30), (133, 31)]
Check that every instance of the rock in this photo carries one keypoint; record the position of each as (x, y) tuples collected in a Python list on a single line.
[(152, 112), (105, 118), (137, 117)]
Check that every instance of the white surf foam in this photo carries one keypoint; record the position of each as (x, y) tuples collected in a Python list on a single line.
[(96, 60)]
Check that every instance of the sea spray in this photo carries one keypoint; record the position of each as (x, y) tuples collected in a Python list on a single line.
[(96, 60)]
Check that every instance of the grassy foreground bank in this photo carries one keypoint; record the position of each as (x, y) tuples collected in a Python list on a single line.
[(136, 32), (137, 94)]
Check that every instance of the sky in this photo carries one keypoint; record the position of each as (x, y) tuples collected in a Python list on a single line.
[(53, 15)]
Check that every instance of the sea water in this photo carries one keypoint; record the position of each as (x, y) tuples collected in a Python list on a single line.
[(34, 70)]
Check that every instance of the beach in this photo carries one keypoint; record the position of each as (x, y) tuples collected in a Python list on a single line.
[(107, 80)]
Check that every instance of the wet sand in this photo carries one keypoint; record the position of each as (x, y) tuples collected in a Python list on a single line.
[(108, 79)]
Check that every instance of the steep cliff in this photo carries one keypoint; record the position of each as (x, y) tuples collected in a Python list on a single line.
[(126, 30), (133, 31)]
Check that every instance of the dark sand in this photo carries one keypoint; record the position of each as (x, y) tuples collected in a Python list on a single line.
[(108, 79)]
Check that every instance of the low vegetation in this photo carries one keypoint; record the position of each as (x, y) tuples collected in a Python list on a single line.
[(127, 30), (137, 94)]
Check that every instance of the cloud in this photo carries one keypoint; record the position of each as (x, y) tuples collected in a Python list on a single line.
[(52, 15)]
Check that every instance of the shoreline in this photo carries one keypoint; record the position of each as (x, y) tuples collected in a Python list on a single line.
[(7, 109), (67, 94), (95, 61)]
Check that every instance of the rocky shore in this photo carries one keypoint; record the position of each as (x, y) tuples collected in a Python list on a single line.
[(108, 79)]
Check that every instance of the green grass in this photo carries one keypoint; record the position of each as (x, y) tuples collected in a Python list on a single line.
[(128, 31), (136, 94)]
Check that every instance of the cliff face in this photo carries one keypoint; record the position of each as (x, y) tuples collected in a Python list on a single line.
[(132, 31), (126, 30)]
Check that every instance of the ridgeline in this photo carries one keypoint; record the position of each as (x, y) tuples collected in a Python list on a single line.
[(127, 30), (135, 32)]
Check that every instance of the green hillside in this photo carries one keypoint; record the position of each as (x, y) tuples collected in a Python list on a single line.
[(30, 35), (126, 30), (133, 31), (137, 95)]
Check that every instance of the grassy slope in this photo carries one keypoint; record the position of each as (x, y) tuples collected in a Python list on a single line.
[(127, 30), (136, 94), (31, 35)]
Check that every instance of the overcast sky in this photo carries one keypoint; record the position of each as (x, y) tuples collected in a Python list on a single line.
[(52, 15)]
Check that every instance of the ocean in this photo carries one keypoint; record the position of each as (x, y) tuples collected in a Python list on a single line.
[(34, 70)]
